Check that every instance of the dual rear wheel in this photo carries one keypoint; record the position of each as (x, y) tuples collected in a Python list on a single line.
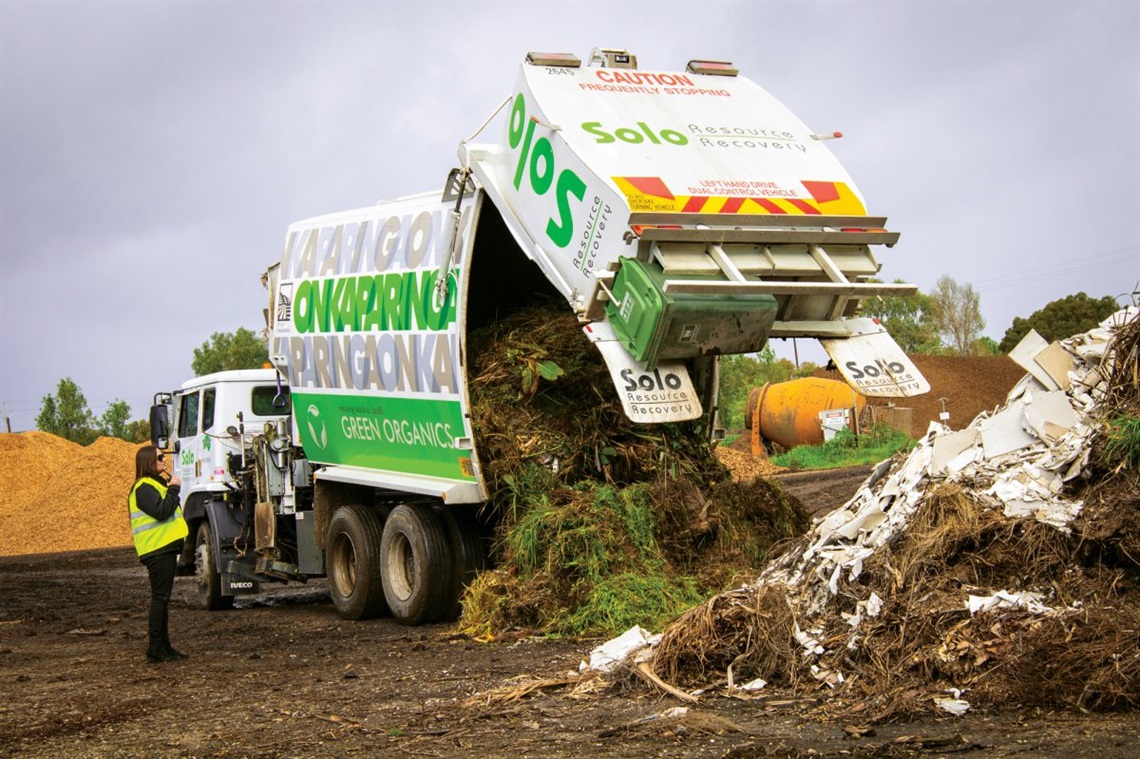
[(412, 562), (352, 562)]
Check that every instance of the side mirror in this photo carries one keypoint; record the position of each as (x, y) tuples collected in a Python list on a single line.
[(160, 425)]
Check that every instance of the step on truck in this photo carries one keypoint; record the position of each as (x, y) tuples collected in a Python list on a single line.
[(680, 215)]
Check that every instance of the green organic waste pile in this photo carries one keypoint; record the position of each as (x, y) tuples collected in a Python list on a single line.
[(601, 523)]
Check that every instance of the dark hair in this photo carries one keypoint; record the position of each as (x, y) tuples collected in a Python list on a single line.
[(146, 462)]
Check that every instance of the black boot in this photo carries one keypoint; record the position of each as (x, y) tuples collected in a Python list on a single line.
[(155, 653), (172, 651)]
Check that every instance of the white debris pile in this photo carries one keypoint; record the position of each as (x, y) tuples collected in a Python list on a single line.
[(955, 556), (1016, 459)]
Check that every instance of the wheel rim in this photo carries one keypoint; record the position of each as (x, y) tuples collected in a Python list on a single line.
[(202, 567), (344, 565), (401, 566)]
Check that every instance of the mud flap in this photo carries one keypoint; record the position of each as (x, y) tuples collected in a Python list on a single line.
[(228, 548), (665, 394), (873, 363), (236, 585)]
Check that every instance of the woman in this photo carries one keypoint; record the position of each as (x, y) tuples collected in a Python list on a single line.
[(159, 531)]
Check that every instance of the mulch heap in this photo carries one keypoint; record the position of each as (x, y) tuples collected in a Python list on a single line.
[(600, 522), (996, 565), (56, 495), (962, 386)]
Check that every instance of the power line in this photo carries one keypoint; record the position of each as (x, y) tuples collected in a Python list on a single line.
[(1074, 267)]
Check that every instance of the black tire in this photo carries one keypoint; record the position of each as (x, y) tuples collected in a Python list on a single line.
[(352, 562), (206, 572), (185, 566), (469, 552), (417, 565)]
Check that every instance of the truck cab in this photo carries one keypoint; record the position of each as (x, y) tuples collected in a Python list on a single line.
[(205, 424)]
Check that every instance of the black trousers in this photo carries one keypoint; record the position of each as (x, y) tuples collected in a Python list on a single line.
[(160, 568)]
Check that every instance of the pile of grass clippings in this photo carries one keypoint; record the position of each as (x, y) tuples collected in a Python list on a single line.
[(602, 523)]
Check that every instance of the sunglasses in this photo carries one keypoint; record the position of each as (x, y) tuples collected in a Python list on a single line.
[(161, 457)]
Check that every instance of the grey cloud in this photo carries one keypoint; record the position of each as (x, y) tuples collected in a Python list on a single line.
[(153, 153)]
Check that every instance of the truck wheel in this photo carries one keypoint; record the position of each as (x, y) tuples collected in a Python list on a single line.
[(352, 562), (468, 550), (206, 572), (417, 563)]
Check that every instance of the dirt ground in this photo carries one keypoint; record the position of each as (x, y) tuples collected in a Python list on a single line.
[(283, 676)]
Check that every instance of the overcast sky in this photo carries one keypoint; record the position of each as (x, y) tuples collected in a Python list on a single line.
[(153, 153)]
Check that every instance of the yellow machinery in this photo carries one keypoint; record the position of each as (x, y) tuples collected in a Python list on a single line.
[(788, 413)]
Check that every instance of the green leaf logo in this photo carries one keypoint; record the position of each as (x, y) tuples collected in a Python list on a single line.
[(317, 431)]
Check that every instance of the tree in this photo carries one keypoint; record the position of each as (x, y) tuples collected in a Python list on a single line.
[(740, 373), (138, 431), (958, 313), (230, 350), (66, 414), (114, 421), (985, 346), (1061, 318), (909, 319)]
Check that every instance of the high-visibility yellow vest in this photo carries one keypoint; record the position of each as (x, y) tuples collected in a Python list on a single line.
[(148, 532)]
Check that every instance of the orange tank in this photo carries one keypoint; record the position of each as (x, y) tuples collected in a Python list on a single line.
[(787, 413)]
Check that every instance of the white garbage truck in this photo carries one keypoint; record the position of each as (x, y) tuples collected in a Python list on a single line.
[(680, 215)]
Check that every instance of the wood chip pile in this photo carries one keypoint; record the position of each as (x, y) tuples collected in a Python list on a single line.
[(56, 495), (744, 466)]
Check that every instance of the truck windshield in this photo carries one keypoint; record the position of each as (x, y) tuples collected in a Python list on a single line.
[(263, 400)]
